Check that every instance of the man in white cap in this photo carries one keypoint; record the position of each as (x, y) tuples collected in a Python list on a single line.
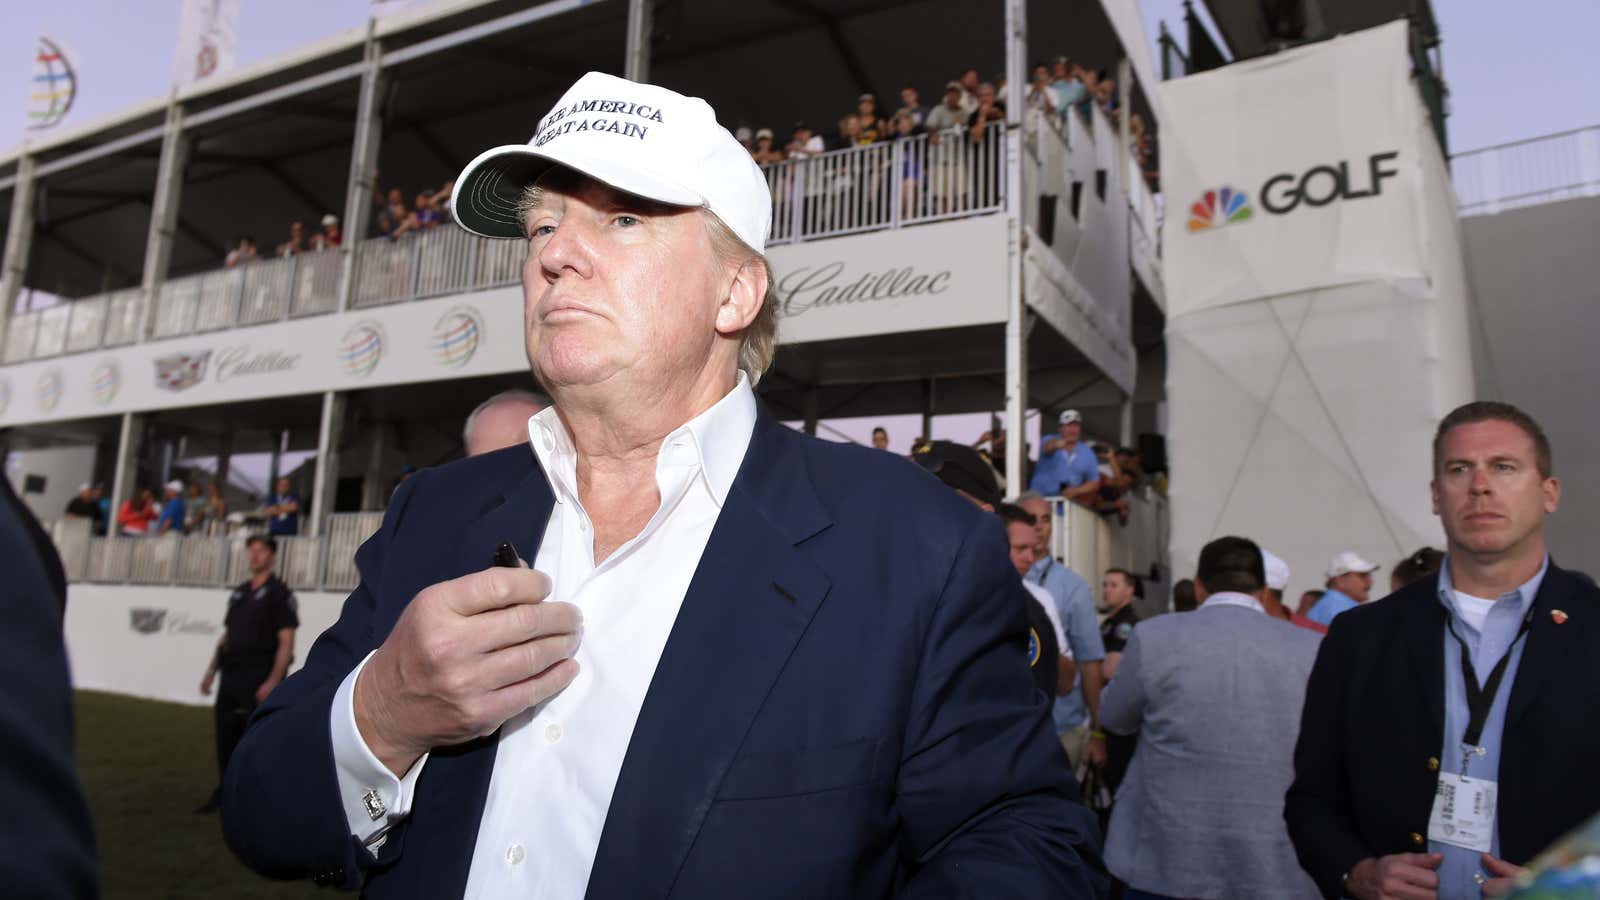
[(172, 509), (1349, 585), (1272, 599), (725, 674), (1067, 466)]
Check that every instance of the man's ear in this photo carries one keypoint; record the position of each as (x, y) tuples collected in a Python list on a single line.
[(742, 301)]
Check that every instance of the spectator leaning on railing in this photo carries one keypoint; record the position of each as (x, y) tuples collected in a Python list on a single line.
[(911, 105), (296, 243), (764, 153), (243, 252)]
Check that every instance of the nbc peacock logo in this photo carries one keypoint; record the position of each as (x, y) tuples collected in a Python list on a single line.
[(1218, 208)]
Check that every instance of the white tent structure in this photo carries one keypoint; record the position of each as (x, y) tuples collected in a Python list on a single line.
[(1318, 323)]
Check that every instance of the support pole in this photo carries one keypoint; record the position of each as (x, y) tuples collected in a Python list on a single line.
[(813, 410), (19, 240), (224, 460), (372, 481), (363, 166), (327, 468), (928, 403), (1016, 383), (641, 19), (1125, 433), (127, 464), (163, 214)]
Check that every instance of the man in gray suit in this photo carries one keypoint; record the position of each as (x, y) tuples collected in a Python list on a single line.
[(1215, 696)]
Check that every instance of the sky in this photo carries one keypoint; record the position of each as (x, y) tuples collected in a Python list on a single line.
[(1512, 75)]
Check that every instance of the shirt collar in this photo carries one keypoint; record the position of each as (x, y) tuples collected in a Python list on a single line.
[(1233, 598), (1522, 594), (720, 436)]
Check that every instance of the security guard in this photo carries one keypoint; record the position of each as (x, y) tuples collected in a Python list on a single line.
[(253, 655), (1118, 590)]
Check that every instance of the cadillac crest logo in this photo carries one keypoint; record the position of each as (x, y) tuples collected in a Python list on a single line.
[(48, 390), (146, 621), (181, 371), (104, 382)]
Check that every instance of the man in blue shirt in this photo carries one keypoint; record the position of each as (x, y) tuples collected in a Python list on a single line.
[(1077, 713), (1067, 466), (283, 510), (1349, 585), (172, 509)]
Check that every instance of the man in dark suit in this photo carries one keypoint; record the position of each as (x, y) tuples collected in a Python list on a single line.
[(1448, 735), (48, 851), (744, 662)]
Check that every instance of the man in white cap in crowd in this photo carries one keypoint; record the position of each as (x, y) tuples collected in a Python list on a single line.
[(725, 672), (172, 509), (1272, 599), (1349, 585), (1067, 466)]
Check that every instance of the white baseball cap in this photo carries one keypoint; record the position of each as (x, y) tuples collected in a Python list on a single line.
[(1348, 562), (175, 485), (1069, 416), (1277, 570), (639, 138)]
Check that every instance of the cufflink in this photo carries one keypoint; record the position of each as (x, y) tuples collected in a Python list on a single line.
[(374, 804)]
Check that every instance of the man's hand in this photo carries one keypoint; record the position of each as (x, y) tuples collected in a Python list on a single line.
[(1503, 876), (465, 656), (1403, 876), (264, 689), (206, 682), (1094, 752)]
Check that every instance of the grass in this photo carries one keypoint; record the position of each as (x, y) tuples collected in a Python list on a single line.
[(146, 765)]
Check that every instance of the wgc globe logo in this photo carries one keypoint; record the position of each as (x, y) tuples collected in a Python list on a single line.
[(48, 391), (456, 336), (361, 348), (104, 382)]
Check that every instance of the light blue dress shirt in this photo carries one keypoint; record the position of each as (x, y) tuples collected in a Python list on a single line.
[(1332, 603), (1499, 635), (1074, 602), (1060, 469)]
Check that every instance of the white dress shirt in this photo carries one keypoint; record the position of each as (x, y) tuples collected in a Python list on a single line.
[(1234, 598), (1049, 604), (558, 762)]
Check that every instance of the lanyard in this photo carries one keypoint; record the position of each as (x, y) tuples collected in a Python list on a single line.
[(1479, 699)]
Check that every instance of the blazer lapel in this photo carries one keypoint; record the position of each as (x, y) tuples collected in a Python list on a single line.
[(1549, 641), (751, 599), (1424, 639), (455, 782)]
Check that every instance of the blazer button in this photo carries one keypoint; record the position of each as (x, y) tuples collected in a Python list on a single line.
[(1416, 840), (1433, 764)]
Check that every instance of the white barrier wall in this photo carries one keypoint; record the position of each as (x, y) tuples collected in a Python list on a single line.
[(155, 642), (1318, 323)]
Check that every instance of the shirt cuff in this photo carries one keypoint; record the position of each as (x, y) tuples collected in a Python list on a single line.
[(373, 798)]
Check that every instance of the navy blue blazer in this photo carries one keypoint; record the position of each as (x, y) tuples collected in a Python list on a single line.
[(843, 707)]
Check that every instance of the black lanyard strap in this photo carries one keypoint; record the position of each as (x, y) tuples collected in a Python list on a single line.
[(1480, 699)]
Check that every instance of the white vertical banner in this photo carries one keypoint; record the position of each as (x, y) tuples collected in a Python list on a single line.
[(206, 40)]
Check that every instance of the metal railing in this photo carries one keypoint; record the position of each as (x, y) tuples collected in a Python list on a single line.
[(922, 178), (442, 260), (1089, 543), (1522, 173), (323, 563)]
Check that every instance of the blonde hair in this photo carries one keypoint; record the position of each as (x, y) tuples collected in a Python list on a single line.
[(760, 339)]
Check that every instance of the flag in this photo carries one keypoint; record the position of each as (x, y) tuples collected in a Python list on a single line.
[(205, 39)]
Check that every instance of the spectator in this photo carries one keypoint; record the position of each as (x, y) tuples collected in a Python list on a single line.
[(803, 143), (105, 507), (911, 105), (849, 133), (1047, 641), (1067, 466), (1449, 731), (989, 109), (283, 510), (427, 215), (1214, 698), (950, 114), (242, 253), (501, 421), (947, 170), (986, 141), (1183, 598), (172, 509), (765, 153), (744, 137), (880, 438), (330, 236), (1272, 599), (194, 510), (901, 127), (1415, 567), (969, 92), (216, 508), (253, 654), (394, 219), (1349, 584), (136, 514), (1308, 600), (872, 126), (1105, 94), (1077, 712), (1086, 102), (1069, 90), (443, 197), (1041, 96), (296, 243), (85, 506)]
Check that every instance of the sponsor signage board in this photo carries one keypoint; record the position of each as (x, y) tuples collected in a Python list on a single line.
[(1298, 171)]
